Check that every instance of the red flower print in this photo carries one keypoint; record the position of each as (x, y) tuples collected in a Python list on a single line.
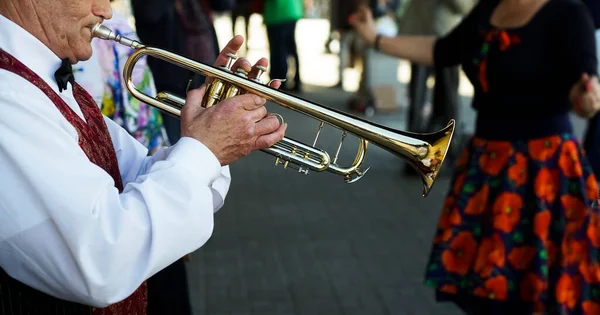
[(458, 257), (545, 148), (546, 184), (591, 308), (573, 252), (489, 256), (541, 224), (521, 257), (479, 143), (450, 216), (464, 158), (575, 209), (449, 288), (593, 230), (496, 156), (477, 203), (495, 288), (518, 172), (483, 76), (445, 236), (591, 188), (568, 290), (531, 287), (505, 40), (590, 272), (459, 183), (569, 160), (507, 211)]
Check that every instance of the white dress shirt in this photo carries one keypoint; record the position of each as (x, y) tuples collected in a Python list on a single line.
[(64, 228)]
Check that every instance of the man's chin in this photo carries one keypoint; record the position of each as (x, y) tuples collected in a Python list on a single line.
[(84, 55)]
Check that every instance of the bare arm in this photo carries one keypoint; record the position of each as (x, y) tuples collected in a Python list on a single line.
[(461, 7), (418, 49)]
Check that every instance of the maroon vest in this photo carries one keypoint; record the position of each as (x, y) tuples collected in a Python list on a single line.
[(95, 141)]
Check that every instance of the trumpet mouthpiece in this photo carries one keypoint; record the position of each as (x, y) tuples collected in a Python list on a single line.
[(103, 32)]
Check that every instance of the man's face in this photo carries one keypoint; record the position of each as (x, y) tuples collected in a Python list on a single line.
[(67, 25)]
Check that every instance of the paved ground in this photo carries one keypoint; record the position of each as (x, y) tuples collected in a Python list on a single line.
[(286, 243)]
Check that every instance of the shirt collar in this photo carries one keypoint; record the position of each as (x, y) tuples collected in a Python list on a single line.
[(30, 51)]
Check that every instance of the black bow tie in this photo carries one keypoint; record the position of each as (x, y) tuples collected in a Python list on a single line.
[(64, 75)]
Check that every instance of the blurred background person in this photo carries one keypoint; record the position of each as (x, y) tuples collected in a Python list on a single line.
[(184, 27), (102, 77), (340, 30), (516, 234), (433, 18), (384, 12), (243, 9), (281, 18)]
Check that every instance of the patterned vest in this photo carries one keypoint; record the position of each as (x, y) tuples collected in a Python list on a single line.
[(95, 141)]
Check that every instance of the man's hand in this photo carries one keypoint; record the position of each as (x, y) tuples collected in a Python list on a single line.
[(234, 127), (585, 96)]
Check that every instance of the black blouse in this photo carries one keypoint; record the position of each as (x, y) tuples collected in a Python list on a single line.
[(524, 72)]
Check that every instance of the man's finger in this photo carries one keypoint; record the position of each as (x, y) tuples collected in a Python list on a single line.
[(269, 140), (232, 47), (262, 62), (267, 125), (258, 114), (193, 102), (242, 63), (250, 102), (276, 83)]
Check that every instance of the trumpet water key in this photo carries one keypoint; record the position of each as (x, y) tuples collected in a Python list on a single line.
[(424, 152)]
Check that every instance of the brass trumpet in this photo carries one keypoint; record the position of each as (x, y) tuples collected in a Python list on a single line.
[(424, 152)]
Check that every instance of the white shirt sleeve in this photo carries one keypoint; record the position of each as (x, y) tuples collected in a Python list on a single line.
[(65, 229)]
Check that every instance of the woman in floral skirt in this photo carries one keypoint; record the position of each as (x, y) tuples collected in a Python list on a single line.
[(517, 233)]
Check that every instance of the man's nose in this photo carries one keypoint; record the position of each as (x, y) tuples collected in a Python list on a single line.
[(102, 9)]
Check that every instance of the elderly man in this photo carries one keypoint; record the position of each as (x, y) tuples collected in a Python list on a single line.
[(85, 216)]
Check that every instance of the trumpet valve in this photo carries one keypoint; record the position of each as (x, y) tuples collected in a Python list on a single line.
[(261, 70), (241, 72), (214, 93), (232, 90), (231, 58)]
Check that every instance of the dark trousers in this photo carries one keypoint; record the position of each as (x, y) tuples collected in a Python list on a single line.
[(282, 44), (445, 97), (168, 291)]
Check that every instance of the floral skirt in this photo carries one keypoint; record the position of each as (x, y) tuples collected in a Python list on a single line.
[(518, 225)]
